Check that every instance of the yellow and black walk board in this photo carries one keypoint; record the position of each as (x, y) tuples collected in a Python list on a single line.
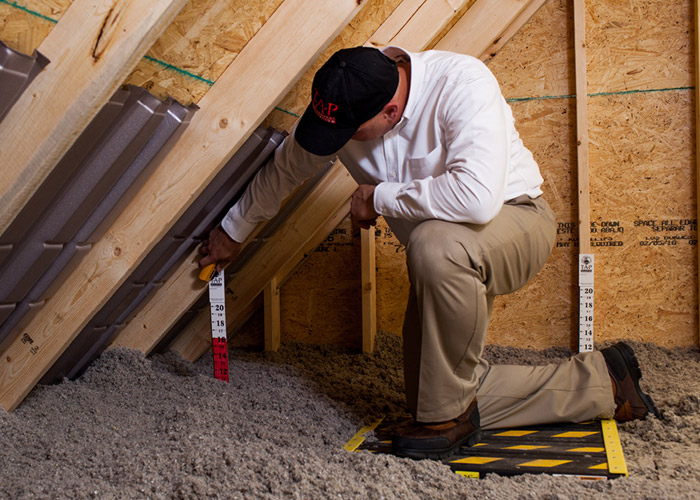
[(589, 450)]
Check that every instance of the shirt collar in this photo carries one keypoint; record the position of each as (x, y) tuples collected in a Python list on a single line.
[(417, 75)]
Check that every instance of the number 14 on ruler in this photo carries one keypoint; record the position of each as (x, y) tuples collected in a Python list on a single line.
[(217, 305)]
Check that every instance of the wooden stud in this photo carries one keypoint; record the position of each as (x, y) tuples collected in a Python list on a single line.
[(415, 23), (244, 94), (481, 26), (149, 326), (369, 290), (272, 315), (697, 125), (92, 50), (584, 216), (516, 25)]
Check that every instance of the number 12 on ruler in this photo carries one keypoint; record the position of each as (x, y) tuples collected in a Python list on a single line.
[(217, 305)]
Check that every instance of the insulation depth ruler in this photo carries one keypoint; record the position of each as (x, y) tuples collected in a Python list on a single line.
[(585, 306), (217, 307)]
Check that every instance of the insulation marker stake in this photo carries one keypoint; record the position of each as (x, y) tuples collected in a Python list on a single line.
[(585, 315), (217, 306)]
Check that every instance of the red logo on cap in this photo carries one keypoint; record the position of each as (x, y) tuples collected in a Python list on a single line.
[(323, 111)]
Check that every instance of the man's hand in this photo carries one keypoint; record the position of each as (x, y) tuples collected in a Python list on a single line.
[(362, 211), (219, 249)]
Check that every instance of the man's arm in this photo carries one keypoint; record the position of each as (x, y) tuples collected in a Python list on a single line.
[(362, 211), (290, 166)]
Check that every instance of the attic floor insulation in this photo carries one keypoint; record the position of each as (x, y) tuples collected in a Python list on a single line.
[(160, 427)]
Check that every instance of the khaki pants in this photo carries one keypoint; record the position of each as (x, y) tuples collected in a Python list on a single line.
[(456, 270)]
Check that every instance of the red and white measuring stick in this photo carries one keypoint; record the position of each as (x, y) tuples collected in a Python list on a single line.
[(217, 306)]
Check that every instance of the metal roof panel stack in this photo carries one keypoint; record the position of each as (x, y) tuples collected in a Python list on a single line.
[(81, 197)]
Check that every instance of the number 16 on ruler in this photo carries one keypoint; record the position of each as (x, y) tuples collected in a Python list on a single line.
[(217, 305)]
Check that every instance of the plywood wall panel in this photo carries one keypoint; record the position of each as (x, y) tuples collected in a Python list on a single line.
[(327, 309), (24, 27), (544, 313), (641, 156), (639, 44), (538, 61), (644, 216)]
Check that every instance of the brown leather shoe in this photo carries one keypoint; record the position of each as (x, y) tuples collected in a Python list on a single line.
[(624, 371), (438, 440)]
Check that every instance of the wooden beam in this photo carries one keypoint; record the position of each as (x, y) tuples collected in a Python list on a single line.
[(482, 25), (586, 286), (92, 50), (369, 290), (272, 315), (584, 215), (516, 25), (245, 93), (697, 127), (329, 196), (415, 23)]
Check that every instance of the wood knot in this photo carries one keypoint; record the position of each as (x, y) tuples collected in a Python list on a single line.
[(223, 123), (117, 252)]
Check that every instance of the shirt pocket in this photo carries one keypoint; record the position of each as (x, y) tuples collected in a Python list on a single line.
[(430, 165)]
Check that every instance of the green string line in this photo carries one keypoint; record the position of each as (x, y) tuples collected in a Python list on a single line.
[(597, 94), (178, 70), (285, 111)]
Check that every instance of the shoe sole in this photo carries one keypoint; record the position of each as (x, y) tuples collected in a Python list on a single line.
[(632, 363), (468, 440)]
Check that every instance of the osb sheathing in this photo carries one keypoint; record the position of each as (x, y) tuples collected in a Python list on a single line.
[(643, 213)]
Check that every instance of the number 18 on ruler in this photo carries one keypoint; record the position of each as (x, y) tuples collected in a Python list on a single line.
[(217, 304)]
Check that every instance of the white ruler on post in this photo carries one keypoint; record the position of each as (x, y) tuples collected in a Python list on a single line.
[(585, 305)]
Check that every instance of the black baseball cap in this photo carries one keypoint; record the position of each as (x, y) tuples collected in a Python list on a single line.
[(353, 86)]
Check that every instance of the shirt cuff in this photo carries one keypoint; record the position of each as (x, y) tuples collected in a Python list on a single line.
[(385, 194), (236, 226)]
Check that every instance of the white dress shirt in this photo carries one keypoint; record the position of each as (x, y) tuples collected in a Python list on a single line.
[(454, 155)]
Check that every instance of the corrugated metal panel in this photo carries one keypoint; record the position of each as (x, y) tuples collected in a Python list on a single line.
[(203, 214), (17, 71), (82, 196)]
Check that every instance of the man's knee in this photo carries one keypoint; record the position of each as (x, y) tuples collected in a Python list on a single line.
[(434, 252)]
